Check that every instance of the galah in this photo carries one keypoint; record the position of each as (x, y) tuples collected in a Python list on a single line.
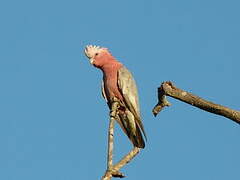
[(118, 83)]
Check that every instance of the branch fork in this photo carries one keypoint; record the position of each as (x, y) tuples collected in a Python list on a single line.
[(113, 170)]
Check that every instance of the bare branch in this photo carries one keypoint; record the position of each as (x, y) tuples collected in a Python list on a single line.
[(113, 114), (113, 170), (126, 159), (168, 89)]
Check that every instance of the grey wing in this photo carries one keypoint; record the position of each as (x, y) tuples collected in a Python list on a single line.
[(128, 88), (103, 91)]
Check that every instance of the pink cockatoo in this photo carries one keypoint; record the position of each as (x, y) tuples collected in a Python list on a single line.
[(118, 83)]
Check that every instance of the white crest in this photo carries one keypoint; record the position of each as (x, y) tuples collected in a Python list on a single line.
[(90, 50)]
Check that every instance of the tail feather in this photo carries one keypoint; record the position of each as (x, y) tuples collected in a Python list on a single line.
[(136, 138)]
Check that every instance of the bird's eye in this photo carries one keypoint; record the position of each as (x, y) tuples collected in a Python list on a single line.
[(96, 54)]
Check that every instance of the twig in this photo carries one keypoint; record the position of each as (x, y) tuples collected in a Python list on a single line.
[(168, 89), (126, 159)]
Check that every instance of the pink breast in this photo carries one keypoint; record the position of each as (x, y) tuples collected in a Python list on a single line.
[(110, 86)]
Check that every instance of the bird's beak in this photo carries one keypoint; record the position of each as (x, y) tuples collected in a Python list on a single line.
[(91, 60)]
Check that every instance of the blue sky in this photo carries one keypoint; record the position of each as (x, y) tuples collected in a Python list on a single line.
[(53, 120)]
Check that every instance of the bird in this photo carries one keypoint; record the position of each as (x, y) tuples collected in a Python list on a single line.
[(118, 82)]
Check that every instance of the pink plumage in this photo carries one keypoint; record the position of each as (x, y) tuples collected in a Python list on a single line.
[(118, 82)]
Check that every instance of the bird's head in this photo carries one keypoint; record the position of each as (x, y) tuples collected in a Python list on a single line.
[(98, 56)]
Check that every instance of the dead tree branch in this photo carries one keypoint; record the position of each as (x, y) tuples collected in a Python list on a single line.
[(126, 159), (113, 114), (113, 170), (168, 89)]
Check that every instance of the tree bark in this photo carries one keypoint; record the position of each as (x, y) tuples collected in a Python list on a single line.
[(168, 89)]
